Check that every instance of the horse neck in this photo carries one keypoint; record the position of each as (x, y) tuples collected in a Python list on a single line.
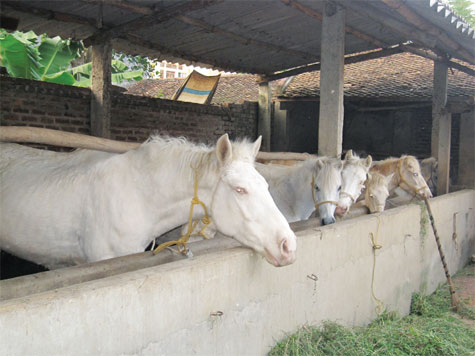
[(175, 175), (300, 180)]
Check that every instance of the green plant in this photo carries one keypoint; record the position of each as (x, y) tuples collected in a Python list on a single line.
[(26, 55), (431, 329), (29, 56)]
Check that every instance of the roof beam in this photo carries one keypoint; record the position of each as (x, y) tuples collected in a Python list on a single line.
[(425, 26), (150, 19), (136, 40), (242, 39), (208, 27), (348, 60), (368, 56), (315, 14), (410, 32), (49, 14), (126, 5)]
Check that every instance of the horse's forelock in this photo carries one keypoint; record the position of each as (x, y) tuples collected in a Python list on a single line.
[(243, 149), (377, 179)]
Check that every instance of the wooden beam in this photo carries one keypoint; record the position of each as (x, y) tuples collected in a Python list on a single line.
[(135, 40), (125, 5), (441, 124), (431, 55), (100, 89), (48, 14), (242, 39), (264, 115), (315, 14), (348, 60), (409, 32), (151, 19), (330, 122), (426, 26)]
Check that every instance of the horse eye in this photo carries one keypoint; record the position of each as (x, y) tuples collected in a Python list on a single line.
[(240, 190), (371, 196), (415, 174), (339, 188), (317, 188)]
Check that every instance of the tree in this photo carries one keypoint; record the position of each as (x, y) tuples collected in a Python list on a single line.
[(26, 55), (464, 9)]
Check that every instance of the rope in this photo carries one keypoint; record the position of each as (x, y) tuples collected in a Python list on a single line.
[(374, 242), (315, 198), (182, 241), (402, 180), (453, 298)]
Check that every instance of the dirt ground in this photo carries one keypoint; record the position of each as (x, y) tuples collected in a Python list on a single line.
[(465, 285)]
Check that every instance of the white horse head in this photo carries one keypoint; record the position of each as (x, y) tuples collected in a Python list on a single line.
[(243, 208), (377, 191), (327, 185), (353, 177)]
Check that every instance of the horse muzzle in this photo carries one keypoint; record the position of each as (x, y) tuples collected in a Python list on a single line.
[(287, 253)]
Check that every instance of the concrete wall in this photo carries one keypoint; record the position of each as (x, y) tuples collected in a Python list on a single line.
[(232, 302)]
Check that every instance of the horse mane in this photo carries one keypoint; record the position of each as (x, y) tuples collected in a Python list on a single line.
[(186, 154)]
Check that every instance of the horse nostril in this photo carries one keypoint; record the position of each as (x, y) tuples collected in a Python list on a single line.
[(284, 248), (328, 221)]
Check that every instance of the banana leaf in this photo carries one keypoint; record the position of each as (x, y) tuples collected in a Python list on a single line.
[(19, 55)]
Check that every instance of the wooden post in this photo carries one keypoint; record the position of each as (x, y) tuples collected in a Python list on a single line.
[(100, 89), (466, 173), (441, 122), (280, 134), (330, 127), (263, 124)]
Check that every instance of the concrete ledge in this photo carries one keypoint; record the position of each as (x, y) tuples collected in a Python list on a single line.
[(232, 302)]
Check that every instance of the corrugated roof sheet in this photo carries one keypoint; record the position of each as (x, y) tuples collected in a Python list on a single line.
[(261, 37)]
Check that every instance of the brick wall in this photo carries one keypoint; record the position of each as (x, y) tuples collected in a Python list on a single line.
[(134, 118)]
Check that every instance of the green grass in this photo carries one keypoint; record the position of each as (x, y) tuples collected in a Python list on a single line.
[(431, 329)]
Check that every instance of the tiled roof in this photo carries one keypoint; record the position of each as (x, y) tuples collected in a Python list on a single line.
[(235, 88), (403, 76)]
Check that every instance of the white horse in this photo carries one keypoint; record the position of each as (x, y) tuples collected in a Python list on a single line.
[(407, 180), (299, 189), (296, 190), (353, 178), (377, 191), (60, 209)]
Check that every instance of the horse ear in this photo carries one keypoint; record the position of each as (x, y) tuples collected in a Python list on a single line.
[(224, 149), (368, 161), (257, 146), (349, 155), (319, 163)]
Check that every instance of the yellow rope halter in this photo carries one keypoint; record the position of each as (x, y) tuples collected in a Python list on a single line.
[(182, 241), (315, 198), (402, 180)]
